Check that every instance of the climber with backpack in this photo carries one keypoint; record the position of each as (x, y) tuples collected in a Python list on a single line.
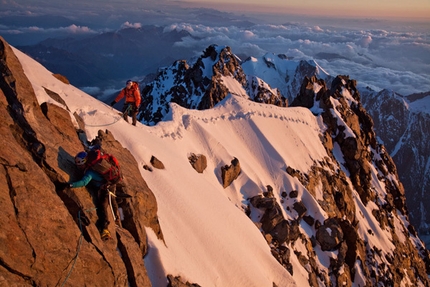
[(132, 100), (101, 171)]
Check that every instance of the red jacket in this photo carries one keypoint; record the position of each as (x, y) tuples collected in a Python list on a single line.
[(132, 95)]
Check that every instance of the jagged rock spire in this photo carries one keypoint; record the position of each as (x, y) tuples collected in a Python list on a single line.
[(203, 84)]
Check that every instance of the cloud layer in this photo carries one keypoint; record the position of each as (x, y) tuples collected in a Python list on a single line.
[(378, 58), (375, 53)]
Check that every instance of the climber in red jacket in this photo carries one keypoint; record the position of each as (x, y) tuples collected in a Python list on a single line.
[(132, 100)]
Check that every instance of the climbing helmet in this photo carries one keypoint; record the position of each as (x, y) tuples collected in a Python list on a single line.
[(81, 158)]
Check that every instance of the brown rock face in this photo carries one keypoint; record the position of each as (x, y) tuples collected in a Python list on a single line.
[(307, 93), (198, 162), (230, 172), (178, 282), (330, 235), (43, 241), (155, 162)]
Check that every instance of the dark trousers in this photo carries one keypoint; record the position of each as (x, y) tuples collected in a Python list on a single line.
[(102, 202), (130, 109)]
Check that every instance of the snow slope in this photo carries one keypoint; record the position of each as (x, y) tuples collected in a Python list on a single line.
[(208, 238)]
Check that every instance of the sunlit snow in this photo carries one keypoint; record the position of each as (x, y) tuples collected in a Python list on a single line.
[(209, 240)]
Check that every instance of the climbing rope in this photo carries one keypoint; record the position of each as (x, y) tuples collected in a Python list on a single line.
[(79, 246), (115, 121), (75, 258), (104, 125)]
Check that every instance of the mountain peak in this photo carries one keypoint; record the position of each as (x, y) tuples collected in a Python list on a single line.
[(204, 83)]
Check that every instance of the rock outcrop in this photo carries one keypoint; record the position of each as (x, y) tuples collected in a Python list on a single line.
[(155, 162), (44, 240), (198, 162), (350, 130), (230, 172)]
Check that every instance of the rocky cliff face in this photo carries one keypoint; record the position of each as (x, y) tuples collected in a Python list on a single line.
[(406, 134), (403, 131), (356, 165), (43, 240)]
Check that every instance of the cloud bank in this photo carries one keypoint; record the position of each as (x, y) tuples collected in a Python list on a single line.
[(376, 53), (375, 57)]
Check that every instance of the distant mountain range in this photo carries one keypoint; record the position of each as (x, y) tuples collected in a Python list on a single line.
[(108, 58)]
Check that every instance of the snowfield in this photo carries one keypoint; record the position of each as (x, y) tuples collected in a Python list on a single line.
[(209, 240)]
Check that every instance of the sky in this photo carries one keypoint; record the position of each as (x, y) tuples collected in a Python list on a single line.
[(367, 8), (413, 10), (209, 240)]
